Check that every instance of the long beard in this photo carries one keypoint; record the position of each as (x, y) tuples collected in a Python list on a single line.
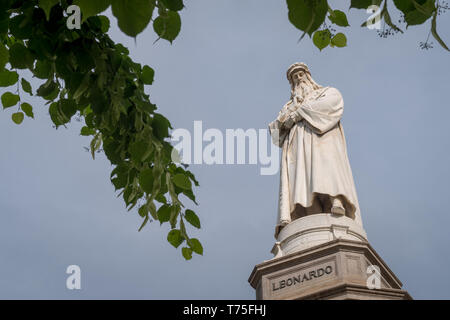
[(302, 90)]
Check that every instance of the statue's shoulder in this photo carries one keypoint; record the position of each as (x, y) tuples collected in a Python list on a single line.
[(329, 91), (321, 92)]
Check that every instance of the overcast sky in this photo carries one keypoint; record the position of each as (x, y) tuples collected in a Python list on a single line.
[(227, 69)]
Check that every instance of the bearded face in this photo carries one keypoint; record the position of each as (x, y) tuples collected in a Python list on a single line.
[(301, 84)]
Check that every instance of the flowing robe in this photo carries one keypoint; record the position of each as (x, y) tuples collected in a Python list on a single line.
[(314, 161)]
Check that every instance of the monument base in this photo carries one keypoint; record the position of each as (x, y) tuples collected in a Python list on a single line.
[(315, 229), (336, 269)]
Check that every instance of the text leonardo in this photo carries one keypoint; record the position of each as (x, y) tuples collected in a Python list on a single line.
[(300, 278)]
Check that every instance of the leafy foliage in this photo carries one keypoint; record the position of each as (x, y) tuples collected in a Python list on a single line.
[(310, 16), (86, 74)]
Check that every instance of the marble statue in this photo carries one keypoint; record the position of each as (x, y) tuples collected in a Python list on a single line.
[(315, 175), (321, 250)]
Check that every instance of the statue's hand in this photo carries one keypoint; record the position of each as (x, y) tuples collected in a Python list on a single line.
[(290, 121), (287, 109), (296, 101)]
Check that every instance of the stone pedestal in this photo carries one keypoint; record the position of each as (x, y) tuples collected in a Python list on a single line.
[(316, 229), (325, 257)]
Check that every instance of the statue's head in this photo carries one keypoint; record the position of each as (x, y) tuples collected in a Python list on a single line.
[(299, 75)]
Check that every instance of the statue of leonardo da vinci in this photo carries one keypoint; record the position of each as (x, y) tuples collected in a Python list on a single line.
[(315, 175)]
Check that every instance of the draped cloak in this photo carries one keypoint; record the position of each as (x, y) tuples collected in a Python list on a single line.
[(314, 159)]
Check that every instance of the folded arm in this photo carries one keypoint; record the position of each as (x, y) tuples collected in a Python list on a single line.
[(278, 129), (323, 113)]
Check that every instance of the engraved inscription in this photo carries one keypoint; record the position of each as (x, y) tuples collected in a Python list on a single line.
[(302, 277)]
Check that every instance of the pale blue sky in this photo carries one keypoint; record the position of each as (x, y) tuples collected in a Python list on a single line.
[(227, 68)]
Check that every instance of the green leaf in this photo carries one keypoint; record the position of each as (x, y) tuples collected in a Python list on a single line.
[(91, 8), (321, 39), (339, 40), (54, 112), (182, 181), (17, 117), (4, 5), (140, 150), (190, 195), (143, 211), (183, 230), (404, 5), (161, 126), (4, 55), (415, 12), (42, 69), (86, 131), (307, 15), (28, 109), (148, 75), (112, 149), (364, 4), (196, 246), (152, 209), (161, 198), (192, 177), (426, 8), (84, 85), (415, 18), (164, 213), (435, 34), (119, 176), (95, 145), (68, 108), (46, 89), (8, 78), (4, 18), (105, 23), (47, 5), (175, 238), (168, 26), (21, 26), (174, 5), (133, 15), (121, 49), (26, 86), (52, 95), (9, 99), (339, 18), (187, 253), (192, 218), (20, 57), (146, 180), (174, 215), (90, 120), (98, 100)]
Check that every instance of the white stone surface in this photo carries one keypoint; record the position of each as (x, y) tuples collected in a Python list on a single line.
[(316, 229)]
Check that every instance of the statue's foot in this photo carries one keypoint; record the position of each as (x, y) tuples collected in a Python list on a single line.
[(338, 207)]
